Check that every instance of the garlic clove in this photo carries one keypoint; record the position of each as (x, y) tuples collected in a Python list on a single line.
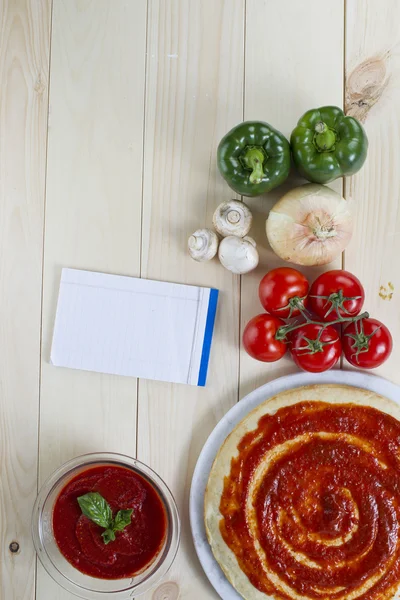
[(310, 225), (232, 218), (238, 255), (203, 245)]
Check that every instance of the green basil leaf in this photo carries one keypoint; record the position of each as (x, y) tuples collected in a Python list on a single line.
[(108, 536), (96, 508), (122, 519)]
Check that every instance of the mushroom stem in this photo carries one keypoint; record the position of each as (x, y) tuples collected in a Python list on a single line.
[(233, 217), (196, 242), (203, 244)]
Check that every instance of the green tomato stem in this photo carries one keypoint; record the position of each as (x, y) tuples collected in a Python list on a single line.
[(298, 303), (336, 301), (360, 340), (295, 302), (283, 331), (314, 346)]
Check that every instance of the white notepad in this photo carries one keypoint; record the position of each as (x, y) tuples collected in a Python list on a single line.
[(135, 327)]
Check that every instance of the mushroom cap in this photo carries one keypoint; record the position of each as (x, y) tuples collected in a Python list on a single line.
[(238, 255), (203, 244), (232, 217)]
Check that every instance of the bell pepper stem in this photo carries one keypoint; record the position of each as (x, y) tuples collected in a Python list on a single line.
[(324, 138), (253, 159)]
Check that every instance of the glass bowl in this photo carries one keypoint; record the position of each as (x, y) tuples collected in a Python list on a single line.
[(84, 586)]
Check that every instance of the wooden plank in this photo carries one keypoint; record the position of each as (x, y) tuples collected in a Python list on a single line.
[(24, 65), (289, 70), (194, 95), (373, 95), (93, 215)]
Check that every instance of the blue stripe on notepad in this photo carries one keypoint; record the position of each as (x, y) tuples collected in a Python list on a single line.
[(208, 333)]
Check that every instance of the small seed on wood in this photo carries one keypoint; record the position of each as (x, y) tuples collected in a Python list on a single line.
[(384, 293)]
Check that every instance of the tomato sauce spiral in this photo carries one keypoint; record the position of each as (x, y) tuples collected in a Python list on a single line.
[(311, 507)]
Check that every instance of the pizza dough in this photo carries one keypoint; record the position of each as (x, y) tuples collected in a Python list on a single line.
[(309, 504)]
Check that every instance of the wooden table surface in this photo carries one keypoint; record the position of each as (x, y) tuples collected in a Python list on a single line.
[(110, 116)]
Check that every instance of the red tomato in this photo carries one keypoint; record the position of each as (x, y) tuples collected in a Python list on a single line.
[(315, 348), (278, 288), (259, 338), (367, 343), (336, 294)]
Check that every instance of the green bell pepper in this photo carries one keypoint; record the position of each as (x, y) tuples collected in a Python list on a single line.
[(326, 145), (253, 158)]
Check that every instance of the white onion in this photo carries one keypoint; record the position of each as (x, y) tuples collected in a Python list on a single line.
[(310, 225)]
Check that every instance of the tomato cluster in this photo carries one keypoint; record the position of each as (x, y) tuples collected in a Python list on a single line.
[(329, 322)]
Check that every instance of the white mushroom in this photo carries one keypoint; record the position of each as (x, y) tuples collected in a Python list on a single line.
[(238, 255), (203, 245), (232, 218)]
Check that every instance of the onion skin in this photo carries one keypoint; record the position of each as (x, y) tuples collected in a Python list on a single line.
[(310, 225)]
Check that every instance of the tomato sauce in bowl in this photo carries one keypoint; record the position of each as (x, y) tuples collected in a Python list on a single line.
[(80, 540), (105, 525)]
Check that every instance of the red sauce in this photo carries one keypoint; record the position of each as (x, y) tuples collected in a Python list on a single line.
[(79, 539), (331, 499)]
